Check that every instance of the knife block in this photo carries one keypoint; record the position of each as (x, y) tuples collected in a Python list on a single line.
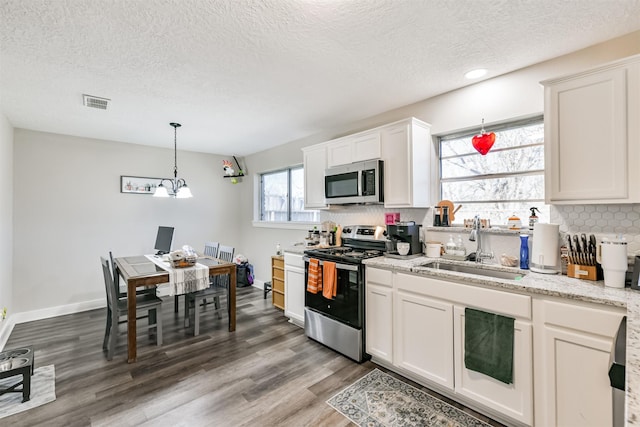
[(585, 272)]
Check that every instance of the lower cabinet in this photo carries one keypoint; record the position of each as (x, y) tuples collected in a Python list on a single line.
[(415, 325), (379, 315), (562, 348), (295, 288), (572, 357), (514, 400), (423, 334)]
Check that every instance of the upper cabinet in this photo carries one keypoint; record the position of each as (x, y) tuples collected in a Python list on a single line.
[(354, 148), (592, 135), (404, 146), (408, 155), (315, 163)]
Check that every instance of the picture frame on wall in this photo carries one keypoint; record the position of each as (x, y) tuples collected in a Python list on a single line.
[(138, 184)]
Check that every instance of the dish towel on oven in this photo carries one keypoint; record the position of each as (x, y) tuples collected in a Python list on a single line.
[(184, 280), (488, 344), (329, 279), (314, 282)]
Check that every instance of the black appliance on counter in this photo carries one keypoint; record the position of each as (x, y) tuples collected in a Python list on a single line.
[(407, 232), (338, 323)]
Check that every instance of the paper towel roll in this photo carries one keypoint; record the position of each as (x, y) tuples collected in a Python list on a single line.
[(545, 248)]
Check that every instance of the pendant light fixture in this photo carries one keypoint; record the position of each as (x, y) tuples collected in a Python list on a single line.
[(175, 187)]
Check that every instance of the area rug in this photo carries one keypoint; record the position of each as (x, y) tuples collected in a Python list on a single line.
[(378, 399), (43, 390)]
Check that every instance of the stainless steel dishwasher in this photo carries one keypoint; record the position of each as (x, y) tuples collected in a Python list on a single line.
[(617, 373)]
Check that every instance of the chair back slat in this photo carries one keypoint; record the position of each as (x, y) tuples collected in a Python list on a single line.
[(110, 288), (225, 253), (211, 249), (116, 278)]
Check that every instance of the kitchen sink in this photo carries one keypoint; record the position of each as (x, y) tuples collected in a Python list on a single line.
[(468, 269)]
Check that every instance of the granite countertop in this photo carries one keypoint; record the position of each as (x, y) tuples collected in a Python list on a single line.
[(551, 285)]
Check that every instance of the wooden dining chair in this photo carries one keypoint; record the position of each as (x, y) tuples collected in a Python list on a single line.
[(117, 309), (218, 286), (210, 249)]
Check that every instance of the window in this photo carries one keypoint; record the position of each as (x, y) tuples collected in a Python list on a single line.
[(507, 180), (282, 197)]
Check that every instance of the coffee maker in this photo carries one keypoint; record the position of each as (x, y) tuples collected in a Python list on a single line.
[(404, 231)]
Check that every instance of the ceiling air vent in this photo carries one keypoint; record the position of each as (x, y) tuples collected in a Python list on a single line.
[(95, 102)]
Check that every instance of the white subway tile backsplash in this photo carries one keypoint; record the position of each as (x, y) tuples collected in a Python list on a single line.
[(600, 220)]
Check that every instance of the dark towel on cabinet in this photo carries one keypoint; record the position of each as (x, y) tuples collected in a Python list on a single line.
[(488, 344)]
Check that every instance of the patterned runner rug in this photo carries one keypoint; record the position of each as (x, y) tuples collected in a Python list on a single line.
[(378, 399), (43, 390)]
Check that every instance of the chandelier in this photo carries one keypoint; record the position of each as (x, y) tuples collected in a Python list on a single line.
[(175, 187)]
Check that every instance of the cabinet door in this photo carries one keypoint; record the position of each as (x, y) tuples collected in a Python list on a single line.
[(572, 357), (379, 322), (339, 152), (315, 163), (354, 148), (396, 154), (423, 337), (366, 146), (586, 138), (513, 400), (294, 294)]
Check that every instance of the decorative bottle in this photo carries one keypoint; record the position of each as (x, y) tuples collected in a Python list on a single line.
[(524, 251)]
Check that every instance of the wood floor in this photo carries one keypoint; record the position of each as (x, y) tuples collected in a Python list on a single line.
[(267, 373)]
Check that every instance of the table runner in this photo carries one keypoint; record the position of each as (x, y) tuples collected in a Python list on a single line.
[(183, 280)]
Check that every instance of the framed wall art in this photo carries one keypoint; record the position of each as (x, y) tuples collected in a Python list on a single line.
[(138, 184)]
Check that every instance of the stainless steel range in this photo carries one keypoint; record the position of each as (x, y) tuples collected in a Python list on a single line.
[(338, 322)]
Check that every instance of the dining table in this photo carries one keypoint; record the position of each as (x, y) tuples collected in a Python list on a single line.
[(139, 272)]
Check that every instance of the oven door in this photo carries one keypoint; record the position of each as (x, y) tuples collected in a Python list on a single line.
[(348, 305)]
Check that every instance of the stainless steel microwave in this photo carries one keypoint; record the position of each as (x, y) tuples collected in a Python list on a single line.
[(360, 182)]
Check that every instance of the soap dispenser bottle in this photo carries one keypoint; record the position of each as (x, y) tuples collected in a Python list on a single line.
[(533, 218), (524, 251)]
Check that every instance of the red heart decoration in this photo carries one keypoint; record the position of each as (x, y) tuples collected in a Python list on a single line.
[(484, 142)]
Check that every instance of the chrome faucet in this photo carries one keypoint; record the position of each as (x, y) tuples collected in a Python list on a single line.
[(476, 236)]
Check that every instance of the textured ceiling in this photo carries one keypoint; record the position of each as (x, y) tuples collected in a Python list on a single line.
[(244, 75)]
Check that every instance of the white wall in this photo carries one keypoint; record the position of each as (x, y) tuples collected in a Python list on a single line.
[(6, 219), (68, 211), (514, 95)]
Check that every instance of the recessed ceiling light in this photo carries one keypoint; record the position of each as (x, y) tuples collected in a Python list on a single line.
[(475, 74)]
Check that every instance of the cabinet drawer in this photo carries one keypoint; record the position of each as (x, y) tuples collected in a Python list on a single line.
[(468, 295), (379, 276), (278, 284), (278, 300), (293, 260), (277, 273), (277, 262)]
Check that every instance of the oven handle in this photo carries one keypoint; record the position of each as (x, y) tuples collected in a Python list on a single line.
[(338, 265)]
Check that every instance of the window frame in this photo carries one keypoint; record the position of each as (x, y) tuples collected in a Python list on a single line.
[(259, 198), (512, 124)]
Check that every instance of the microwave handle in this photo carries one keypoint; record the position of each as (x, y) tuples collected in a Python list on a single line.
[(338, 265)]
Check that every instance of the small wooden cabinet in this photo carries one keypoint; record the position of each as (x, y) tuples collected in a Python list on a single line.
[(277, 281)]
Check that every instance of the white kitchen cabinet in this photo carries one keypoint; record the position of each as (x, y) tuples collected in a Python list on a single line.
[(409, 172), (572, 357), (379, 314), (423, 334), (354, 148), (315, 163), (294, 288), (427, 332), (592, 135), (514, 400)]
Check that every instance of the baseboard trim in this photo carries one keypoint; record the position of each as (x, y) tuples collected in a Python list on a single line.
[(45, 313)]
